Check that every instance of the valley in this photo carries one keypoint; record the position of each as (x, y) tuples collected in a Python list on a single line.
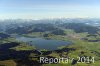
[(22, 42)]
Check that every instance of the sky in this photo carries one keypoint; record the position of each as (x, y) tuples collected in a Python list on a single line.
[(41, 9)]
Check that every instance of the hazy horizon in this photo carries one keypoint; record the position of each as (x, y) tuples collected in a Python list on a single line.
[(45, 9)]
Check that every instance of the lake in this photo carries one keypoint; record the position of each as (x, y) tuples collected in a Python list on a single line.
[(41, 43)]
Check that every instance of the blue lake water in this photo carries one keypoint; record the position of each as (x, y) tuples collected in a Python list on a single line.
[(41, 43)]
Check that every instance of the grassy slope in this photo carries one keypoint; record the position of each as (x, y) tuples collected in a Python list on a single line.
[(86, 47), (90, 48), (7, 63)]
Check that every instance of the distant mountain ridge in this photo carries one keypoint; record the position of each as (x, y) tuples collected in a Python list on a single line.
[(28, 26)]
